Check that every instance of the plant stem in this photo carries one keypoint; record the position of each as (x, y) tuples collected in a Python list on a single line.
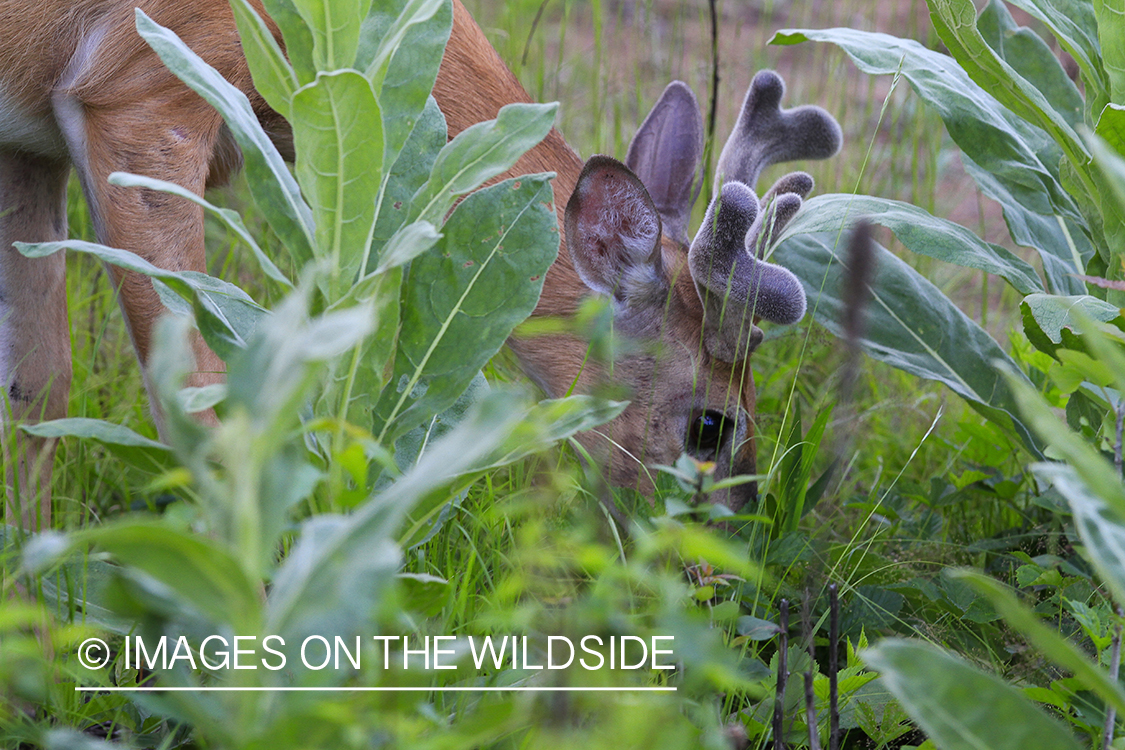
[(782, 673), (833, 667), (1115, 658)]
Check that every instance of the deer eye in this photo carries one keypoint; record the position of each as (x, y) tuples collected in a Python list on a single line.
[(706, 432)]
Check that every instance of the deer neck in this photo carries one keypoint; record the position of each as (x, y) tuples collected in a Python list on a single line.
[(472, 85)]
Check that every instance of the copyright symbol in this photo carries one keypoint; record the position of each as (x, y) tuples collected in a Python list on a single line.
[(93, 653)]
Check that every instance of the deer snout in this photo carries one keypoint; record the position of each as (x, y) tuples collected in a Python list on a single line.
[(737, 457)]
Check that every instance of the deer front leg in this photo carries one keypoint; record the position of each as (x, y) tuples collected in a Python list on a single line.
[(34, 334), (168, 135)]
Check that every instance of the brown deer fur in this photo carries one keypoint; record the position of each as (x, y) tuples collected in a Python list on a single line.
[(79, 87)]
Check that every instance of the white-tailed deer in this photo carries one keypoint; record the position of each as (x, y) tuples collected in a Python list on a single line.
[(79, 88)]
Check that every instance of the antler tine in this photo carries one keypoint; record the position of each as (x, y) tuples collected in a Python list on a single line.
[(766, 134), (772, 219), (732, 283)]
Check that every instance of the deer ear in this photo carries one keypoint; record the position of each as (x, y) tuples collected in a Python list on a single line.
[(665, 155), (613, 229)]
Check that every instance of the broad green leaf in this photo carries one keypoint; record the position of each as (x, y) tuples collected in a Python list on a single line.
[(411, 170), (1047, 639), (338, 134), (955, 22), (918, 231), (134, 449), (1112, 166), (1111, 127), (462, 299), (335, 30), (407, 244), (204, 575), (273, 76), (911, 325), (226, 316), (1089, 464), (960, 707), (274, 190), (1021, 156), (480, 153), (526, 431), (1062, 243), (371, 360), (400, 50), (1098, 505), (1045, 316), (334, 576), (1030, 56), (1075, 27), (230, 218), (298, 37), (1013, 162), (1111, 35)]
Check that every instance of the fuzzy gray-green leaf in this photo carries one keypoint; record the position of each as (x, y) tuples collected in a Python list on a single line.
[(919, 231), (911, 325), (134, 449), (400, 50), (338, 133), (462, 299), (480, 153), (274, 190), (958, 706)]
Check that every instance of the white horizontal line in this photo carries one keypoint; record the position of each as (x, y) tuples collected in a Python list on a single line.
[(374, 689)]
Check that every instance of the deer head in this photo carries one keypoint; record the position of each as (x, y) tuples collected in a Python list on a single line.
[(694, 307)]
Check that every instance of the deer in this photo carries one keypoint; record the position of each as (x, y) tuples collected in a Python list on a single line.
[(98, 100)]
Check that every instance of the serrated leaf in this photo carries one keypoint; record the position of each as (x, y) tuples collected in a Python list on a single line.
[(960, 707)]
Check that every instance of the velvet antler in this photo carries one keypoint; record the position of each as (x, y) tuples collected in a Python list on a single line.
[(736, 287)]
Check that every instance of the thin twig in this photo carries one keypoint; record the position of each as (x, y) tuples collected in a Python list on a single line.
[(531, 32), (833, 667), (810, 695), (1115, 656), (810, 711), (1120, 429), (782, 673)]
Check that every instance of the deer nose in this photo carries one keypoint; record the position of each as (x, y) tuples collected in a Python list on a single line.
[(740, 460)]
